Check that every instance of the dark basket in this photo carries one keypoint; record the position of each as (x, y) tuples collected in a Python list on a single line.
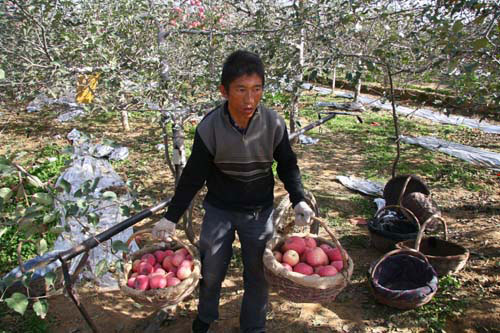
[(421, 205), (446, 257), (159, 298), (399, 186), (306, 289), (385, 242), (403, 278)]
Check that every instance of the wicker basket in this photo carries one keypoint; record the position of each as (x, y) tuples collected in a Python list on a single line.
[(397, 187), (159, 298), (396, 291), (446, 257), (306, 289), (385, 244), (421, 205)]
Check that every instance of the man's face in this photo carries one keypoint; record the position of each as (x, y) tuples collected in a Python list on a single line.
[(243, 96)]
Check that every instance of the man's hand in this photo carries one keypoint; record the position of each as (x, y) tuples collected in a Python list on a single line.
[(164, 229), (303, 214)]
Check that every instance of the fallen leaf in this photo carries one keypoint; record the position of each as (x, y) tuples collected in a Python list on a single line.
[(358, 221)]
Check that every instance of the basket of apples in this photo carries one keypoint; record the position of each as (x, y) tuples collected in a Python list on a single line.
[(306, 268), (160, 274)]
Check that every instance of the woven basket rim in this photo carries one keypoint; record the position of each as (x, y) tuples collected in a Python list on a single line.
[(318, 283), (169, 295)]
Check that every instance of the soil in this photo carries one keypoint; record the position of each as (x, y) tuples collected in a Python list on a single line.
[(473, 219)]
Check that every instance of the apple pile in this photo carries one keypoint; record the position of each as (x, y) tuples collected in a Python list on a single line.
[(303, 255), (160, 269)]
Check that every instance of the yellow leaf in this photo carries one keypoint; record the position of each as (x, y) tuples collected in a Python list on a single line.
[(85, 88)]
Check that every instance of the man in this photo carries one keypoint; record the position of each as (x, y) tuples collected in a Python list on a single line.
[(233, 152)]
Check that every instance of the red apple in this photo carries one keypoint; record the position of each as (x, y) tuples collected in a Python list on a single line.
[(173, 281), (183, 272), (159, 255), (294, 243), (135, 265), (291, 257), (303, 268), (157, 281), (145, 268), (149, 258), (142, 282), (316, 257), (310, 242), (327, 271)]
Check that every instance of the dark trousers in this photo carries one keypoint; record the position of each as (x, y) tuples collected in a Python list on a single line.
[(216, 239)]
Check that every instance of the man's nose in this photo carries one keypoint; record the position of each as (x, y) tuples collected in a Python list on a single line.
[(249, 97)]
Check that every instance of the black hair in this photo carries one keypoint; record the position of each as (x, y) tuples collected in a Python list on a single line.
[(239, 63)]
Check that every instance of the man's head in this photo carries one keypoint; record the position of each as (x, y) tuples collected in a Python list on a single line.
[(242, 84), (241, 63)]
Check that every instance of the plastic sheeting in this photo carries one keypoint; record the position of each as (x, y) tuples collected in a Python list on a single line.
[(433, 116), (73, 108), (362, 185), (86, 167), (421, 113), (472, 155), (307, 140)]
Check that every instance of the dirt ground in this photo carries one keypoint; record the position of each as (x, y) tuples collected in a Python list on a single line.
[(473, 220)]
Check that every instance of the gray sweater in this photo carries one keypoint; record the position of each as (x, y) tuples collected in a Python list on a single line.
[(236, 166)]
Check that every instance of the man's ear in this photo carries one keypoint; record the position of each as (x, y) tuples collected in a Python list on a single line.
[(223, 91)]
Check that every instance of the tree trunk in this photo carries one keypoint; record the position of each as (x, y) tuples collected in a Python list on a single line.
[(357, 90), (334, 78), (396, 123), (124, 117), (294, 111), (178, 151)]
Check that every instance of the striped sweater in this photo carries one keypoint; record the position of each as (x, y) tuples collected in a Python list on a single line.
[(236, 166)]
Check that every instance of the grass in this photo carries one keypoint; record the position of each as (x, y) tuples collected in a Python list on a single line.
[(376, 139)]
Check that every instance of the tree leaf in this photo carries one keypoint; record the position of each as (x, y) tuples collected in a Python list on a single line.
[(101, 268), (42, 246), (6, 193), (17, 302), (41, 307), (43, 199), (109, 195), (65, 185), (35, 181), (3, 231), (119, 246), (125, 210), (2, 74), (48, 218), (479, 43), (458, 26), (93, 218), (50, 279)]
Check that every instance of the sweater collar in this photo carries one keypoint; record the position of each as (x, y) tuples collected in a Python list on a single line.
[(233, 123)]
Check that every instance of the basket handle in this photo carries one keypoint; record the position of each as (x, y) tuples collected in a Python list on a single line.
[(335, 240), (409, 251), (420, 234), (148, 231), (403, 190)]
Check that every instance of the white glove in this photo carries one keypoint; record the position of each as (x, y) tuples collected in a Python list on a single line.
[(164, 229), (303, 214)]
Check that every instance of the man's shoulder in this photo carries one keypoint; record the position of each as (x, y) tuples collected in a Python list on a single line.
[(271, 114), (212, 113)]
